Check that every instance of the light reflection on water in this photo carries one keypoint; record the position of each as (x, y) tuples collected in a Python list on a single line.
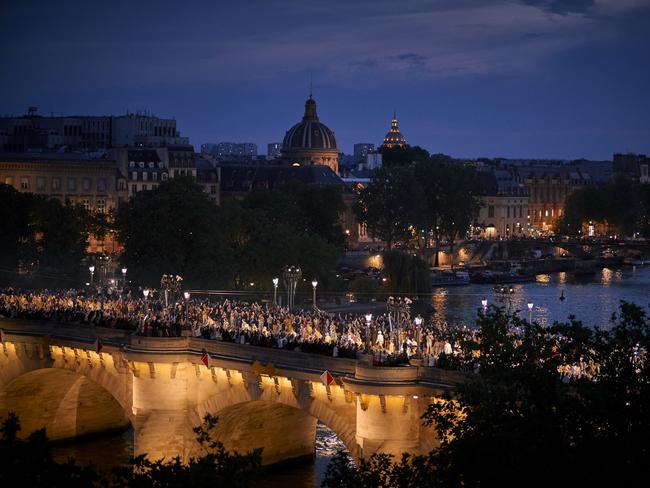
[(591, 298)]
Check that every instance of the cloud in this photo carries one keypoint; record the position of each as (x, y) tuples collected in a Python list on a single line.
[(335, 39)]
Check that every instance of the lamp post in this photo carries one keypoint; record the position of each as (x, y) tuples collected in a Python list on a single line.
[(401, 310), (418, 323), (275, 290), (314, 284), (484, 303), (123, 277), (530, 312), (92, 274), (145, 292), (368, 321), (291, 276), (187, 306)]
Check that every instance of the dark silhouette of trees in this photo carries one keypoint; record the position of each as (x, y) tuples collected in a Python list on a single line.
[(29, 462), (526, 417)]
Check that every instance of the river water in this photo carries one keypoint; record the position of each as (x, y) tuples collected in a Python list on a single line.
[(592, 299)]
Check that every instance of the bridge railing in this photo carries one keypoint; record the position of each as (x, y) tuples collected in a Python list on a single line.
[(241, 354)]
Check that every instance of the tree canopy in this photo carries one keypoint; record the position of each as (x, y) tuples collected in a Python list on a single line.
[(623, 205), (433, 200), (177, 229), (47, 239), (527, 416)]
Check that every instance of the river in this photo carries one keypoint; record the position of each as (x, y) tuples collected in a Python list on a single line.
[(591, 299)]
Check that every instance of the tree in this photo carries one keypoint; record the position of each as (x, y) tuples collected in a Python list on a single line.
[(527, 417), (385, 205), (174, 229), (44, 236), (30, 460), (460, 192), (309, 209), (402, 156)]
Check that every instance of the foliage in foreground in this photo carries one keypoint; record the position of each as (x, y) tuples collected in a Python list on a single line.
[(31, 461), (529, 417)]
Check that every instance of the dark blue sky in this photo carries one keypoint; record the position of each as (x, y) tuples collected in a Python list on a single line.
[(529, 78)]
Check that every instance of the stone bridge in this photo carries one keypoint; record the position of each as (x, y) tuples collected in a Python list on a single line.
[(51, 376)]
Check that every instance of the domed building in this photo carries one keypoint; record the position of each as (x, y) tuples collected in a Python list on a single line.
[(310, 141), (394, 138)]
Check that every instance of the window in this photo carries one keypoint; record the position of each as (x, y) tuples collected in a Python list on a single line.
[(101, 184), (142, 164), (131, 164), (154, 176), (101, 205), (161, 165), (86, 203), (134, 175), (9, 180), (490, 211), (145, 176), (72, 184), (151, 165), (40, 183), (213, 189), (86, 183), (24, 182), (56, 183), (163, 176), (134, 188)]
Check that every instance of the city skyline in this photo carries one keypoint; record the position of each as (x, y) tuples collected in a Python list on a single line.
[(527, 79)]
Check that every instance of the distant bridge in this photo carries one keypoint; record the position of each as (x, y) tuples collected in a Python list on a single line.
[(51, 376)]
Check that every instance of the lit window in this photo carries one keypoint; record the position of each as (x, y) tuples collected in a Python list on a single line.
[(101, 205), (24, 182), (9, 180)]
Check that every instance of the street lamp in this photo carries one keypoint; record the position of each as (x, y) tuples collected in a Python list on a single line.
[(92, 273), (314, 284), (187, 306), (145, 292), (275, 290), (484, 303), (123, 277), (291, 276), (368, 320), (530, 312), (418, 323)]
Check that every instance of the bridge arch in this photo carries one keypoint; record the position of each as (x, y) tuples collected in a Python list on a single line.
[(281, 422), (65, 403), (70, 393)]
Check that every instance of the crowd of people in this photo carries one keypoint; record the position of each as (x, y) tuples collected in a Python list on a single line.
[(265, 325)]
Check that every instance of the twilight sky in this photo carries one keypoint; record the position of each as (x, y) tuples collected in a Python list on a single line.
[(469, 78)]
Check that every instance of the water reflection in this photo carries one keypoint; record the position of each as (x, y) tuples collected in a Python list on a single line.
[(591, 299), (106, 452)]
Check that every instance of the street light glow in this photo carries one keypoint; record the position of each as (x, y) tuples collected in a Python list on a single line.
[(186, 295), (530, 306), (314, 283), (145, 292), (368, 318), (275, 282), (91, 269)]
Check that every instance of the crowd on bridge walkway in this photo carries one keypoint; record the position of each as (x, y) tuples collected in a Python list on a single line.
[(311, 331)]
